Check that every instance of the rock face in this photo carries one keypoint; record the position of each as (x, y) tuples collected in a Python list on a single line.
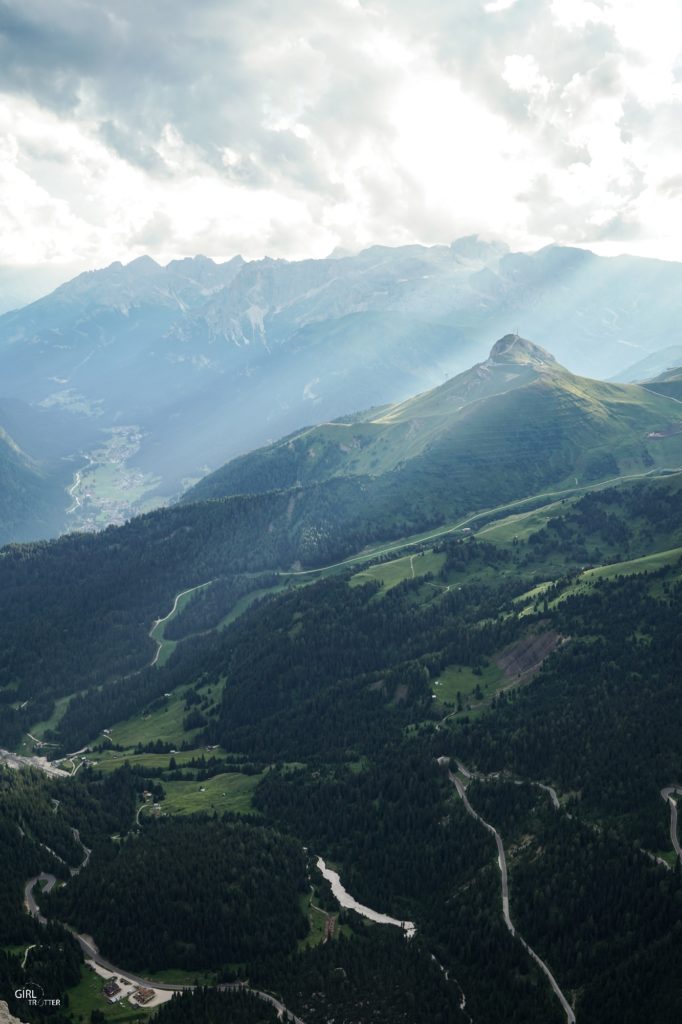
[(5, 1016), (513, 349)]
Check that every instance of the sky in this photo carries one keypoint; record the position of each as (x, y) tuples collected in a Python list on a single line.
[(293, 128)]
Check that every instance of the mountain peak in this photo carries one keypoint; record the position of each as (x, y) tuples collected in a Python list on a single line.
[(514, 349)]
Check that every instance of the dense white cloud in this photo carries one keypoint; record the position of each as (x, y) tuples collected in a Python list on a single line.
[(292, 128)]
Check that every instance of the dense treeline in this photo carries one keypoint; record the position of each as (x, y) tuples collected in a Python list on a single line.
[(209, 1006), (462, 555), (37, 818), (207, 607), (99, 805), (394, 826), (53, 964), (376, 976), (406, 846), (324, 670), (192, 893), (34, 837), (89, 599), (613, 524), (588, 901), (604, 716), (331, 671)]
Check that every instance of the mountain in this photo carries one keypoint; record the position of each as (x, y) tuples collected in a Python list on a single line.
[(32, 497), (197, 362), (513, 427), (667, 383), (658, 362), (517, 420), (38, 449)]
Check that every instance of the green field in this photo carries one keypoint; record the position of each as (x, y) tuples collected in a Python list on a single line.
[(463, 679), (110, 760), (228, 792), (522, 524), (399, 569), (40, 728), (247, 600), (631, 567), (648, 563), (162, 724), (316, 920)]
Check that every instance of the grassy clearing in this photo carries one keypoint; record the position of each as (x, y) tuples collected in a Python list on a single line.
[(162, 724), (247, 600), (317, 921), (110, 760), (648, 563), (40, 728), (631, 567), (669, 856), (463, 679), (87, 996), (228, 792), (522, 524), (399, 569)]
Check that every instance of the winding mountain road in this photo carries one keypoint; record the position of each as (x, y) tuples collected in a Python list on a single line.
[(502, 863), (91, 952), (667, 794), (443, 531), (159, 622)]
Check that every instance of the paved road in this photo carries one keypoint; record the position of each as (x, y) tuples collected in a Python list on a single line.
[(86, 853), (29, 898), (502, 863), (667, 795), (157, 622), (443, 531), (91, 952)]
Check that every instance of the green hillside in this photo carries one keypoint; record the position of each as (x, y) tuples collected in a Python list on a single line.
[(668, 383), (519, 418), (74, 613)]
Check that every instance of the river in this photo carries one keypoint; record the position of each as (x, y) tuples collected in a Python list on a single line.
[(347, 901)]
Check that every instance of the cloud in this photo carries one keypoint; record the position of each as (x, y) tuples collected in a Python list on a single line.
[(293, 128)]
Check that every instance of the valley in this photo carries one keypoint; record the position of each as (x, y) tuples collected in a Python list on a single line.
[(260, 695), (107, 490)]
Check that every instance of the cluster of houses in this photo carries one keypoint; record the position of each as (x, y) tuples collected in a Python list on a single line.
[(113, 992)]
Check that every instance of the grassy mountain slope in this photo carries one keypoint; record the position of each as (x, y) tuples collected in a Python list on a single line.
[(508, 429), (519, 418), (667, 383)]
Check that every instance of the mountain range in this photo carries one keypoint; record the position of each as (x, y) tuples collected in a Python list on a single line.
[(165, 373)]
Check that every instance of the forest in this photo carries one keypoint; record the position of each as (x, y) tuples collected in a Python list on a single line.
[(193, 893), (329, 692)]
